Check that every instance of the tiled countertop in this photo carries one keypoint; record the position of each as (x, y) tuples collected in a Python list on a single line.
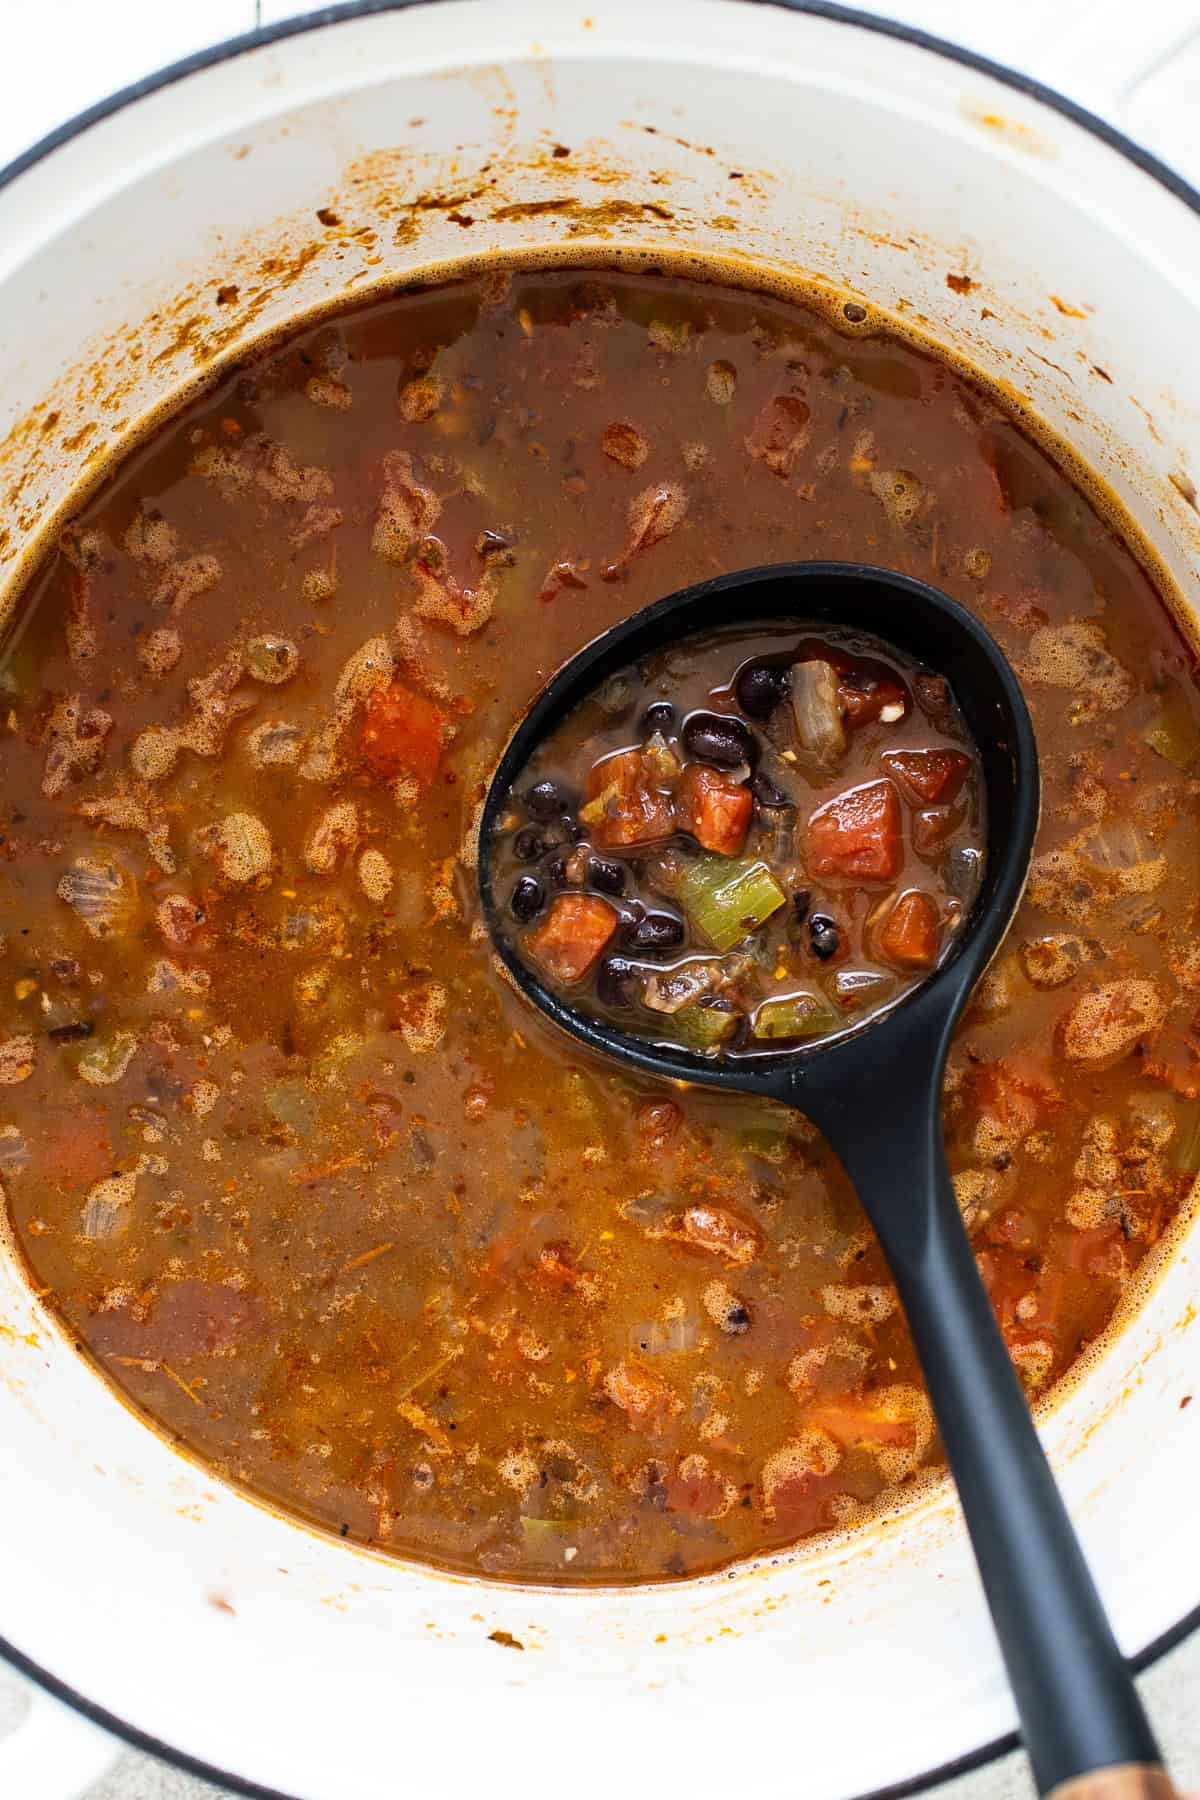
[(1139, 66)]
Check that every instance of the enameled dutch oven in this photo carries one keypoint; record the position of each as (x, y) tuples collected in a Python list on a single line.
[(169, 229)]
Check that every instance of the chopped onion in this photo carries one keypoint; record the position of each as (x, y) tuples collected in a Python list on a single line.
[(102, 894), (275, 744), (818, 711), (668, 992), (293, 1106), (651, 1211), (653, 1337), (104, 1209), (101, 1218), (14, 1151), (241, 845), (1117, 846), (105, 1062), (661, 760)]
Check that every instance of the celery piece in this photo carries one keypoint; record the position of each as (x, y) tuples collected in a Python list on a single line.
[(1173, 736), (703, 1027), (1185, 1154), (794, 1016), (727, 897), (548, 1534), (1173, 733), (767, 1145)]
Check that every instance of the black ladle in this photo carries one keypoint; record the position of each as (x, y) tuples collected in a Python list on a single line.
[(876, 1095)]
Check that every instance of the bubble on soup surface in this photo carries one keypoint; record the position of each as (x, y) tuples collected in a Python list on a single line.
[(241, 846), (159, 651), (103, 895), (272, 659), (154, 752)]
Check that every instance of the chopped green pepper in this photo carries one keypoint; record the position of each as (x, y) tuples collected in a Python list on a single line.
[(768, 1145), (727, 897), (703, 1027), (1186, 1152), (795, 1016)]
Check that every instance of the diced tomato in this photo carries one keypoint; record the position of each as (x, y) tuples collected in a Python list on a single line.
[(1007, 1279), (698, 1490), (932, 777), (799, 1479), (556, 1267), (714, 809), (626, 804), (857, 836), (863, 705), (206, 1318), (780, 432), (911, 934), (862, 1419), (1013, 1227), (79, 1152), (990, 484), (647, 1401), (1175, 1060), (571, 938), (1097, 1253), (403, 734), (1022, 610), (1016, 1092)]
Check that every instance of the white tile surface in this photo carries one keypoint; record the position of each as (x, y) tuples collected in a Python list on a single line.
[(1138, 65)]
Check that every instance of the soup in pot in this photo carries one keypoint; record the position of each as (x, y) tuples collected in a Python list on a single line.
[(290, 1160)]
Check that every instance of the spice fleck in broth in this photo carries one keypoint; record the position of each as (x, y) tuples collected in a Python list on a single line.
[(297, 1168)]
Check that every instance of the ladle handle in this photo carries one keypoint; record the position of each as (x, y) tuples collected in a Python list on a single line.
[(1079, 1709), (1133, 1781)]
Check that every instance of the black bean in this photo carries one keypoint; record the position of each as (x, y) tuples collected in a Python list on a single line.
[(528, 844), (615, 981), (546, 800), (658, 716), (654, 931), (719, 738), (556, 871), (801, 901), (576, 833), (608, 877), (761, 687), (824, 936), (767, 794), (527, 898)]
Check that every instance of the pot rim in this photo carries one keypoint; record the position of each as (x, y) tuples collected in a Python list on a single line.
[(346, 11)]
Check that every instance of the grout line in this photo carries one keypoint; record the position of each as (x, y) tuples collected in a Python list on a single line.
[(1161, 61)]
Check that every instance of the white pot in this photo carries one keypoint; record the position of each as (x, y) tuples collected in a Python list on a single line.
[(182, 1609)]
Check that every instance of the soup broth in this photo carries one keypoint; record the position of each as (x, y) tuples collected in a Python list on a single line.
[(295, 1166)]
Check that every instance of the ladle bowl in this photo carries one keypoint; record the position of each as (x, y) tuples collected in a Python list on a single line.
[(875, 1092)]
